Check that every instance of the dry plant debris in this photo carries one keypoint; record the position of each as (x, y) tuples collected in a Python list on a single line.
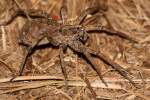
[(42, 78)]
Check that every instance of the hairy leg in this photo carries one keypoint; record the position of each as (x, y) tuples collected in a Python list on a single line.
[(79, 47), (95, 67), (91, 29), (64, 12), (30, 12), (63, 68), (83, 15), (114, 65), (29, 52)]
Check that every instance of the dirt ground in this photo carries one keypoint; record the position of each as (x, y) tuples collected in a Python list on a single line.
[(42, 77)]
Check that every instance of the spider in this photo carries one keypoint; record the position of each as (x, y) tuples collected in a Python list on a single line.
[(42, 29)]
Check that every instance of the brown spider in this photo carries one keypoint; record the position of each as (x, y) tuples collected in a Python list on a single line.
[(42, 29)]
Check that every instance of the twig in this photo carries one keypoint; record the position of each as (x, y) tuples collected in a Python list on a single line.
[(44, 77), (27, 78), (59, 82), (28, 86), (74, 81)]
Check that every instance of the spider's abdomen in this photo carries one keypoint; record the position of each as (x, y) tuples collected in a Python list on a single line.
[(33, 31), (30, 32)]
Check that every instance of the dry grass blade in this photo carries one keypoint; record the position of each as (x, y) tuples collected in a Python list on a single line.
[(88, 85), (30, 86), (97, 83), (58, 81), (4, 38), (137, 94)]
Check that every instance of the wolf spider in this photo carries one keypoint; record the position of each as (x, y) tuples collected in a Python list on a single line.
[(42, 29)]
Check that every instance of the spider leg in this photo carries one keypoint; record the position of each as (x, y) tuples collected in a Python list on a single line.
[(110, 32), (95, 67), (63, 14), (25, 13), (35, 13), (61, 55), (114, 65), (83, 15), (29, 52), (80, 48)]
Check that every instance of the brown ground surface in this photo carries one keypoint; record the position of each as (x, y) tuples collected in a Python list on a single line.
[(42, 78)]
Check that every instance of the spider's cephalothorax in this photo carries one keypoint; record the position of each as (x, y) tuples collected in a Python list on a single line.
[(42, 29)]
